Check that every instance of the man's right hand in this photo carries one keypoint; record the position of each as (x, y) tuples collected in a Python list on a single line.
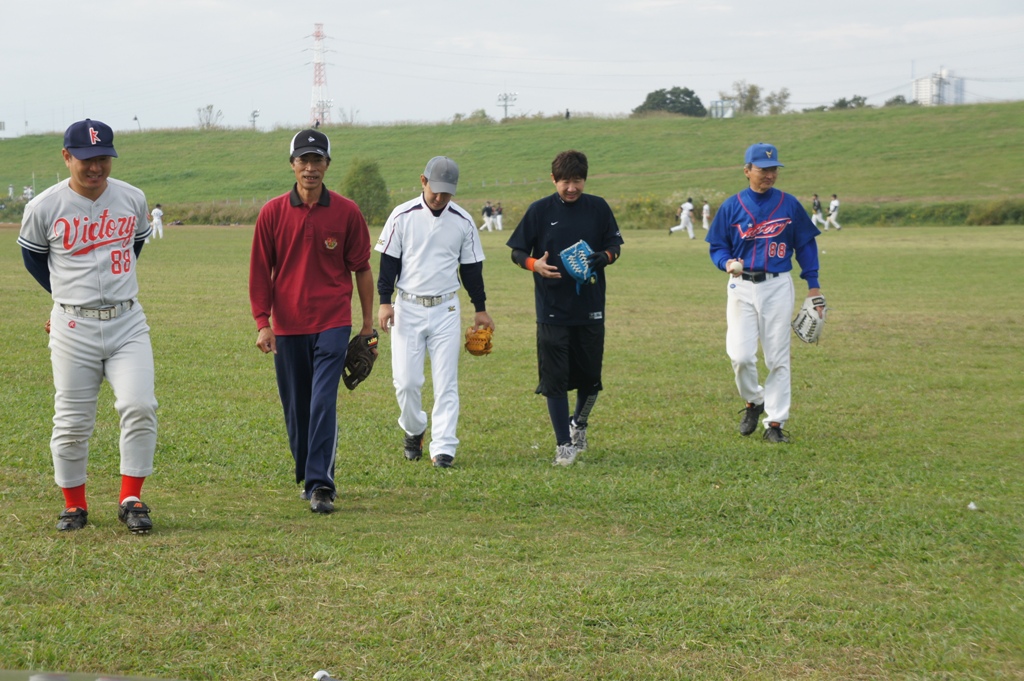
[(266, 341), (386, 317)]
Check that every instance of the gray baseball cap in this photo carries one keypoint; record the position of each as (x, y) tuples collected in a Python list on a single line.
[(442, 175)]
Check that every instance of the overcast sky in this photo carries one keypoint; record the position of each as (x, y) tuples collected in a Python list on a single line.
[(396, 60)]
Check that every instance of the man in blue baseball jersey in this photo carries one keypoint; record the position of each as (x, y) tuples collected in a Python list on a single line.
[(754, 236)]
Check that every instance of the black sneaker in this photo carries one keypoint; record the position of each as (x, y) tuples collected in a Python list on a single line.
[(751, 413), (443, 461), (72, 518), (322, 500), (414, 447), (774, 433), (135, 515)]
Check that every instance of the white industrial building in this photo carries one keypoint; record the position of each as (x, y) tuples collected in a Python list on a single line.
[(939, 88)]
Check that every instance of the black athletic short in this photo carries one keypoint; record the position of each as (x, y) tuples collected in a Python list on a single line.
[(569, 358)]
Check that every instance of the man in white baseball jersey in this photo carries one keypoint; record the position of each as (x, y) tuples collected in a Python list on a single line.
[(427, 245), (685, 218), (158, 222), (705, 214), (833, 213), (80, 239)]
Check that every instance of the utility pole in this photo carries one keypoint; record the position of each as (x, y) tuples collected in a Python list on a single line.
[(320, 108), (507, 99), (253, 116)]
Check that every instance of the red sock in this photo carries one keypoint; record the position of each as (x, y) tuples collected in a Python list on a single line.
[(130, 487), (74, 497)]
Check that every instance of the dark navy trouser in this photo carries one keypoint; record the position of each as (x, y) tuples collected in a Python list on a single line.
[(308, 375)]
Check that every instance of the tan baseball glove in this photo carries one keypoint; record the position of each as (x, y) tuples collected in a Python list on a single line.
[(478, 342), (808, 325)]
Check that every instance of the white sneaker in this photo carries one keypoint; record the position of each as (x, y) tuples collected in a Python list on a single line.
[(579, 436), (565, 455)]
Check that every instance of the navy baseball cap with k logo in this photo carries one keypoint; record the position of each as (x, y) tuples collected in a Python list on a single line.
[(763, 156), (89, 139)]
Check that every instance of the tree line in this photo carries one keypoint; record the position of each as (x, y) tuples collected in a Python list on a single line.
[(745, 99)]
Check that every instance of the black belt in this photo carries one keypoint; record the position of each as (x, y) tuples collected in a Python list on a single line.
[(758, 277)]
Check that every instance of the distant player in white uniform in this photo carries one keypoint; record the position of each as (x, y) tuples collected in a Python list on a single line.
[(498, 213), (833, 213), (427, 246), (685, 218), (80, 240), (158, 222), (705, 214)]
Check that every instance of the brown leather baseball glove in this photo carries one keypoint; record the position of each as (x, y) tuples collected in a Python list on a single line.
[(478, 342)]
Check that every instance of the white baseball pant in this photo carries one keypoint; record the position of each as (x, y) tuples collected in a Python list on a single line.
[(83, 352), (687, 224), (761, 312), (418, 331)]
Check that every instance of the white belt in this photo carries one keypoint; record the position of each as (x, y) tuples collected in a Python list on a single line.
[(98, 313), (427, 301)]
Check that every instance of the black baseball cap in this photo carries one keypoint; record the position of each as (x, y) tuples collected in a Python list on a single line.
[(89, 139), (310, 142)]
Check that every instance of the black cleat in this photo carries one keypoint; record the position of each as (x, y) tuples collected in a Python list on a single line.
[(443, 461), (322, 501), (774, 433), (751, 413), (135, 515), (72, 518), (414, 447)]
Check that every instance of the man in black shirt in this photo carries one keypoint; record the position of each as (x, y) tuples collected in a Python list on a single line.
[(570, 318)]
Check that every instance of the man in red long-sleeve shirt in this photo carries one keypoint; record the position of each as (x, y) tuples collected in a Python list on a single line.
[(307, 245)]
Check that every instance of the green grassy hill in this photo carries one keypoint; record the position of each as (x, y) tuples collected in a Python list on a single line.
[(898, 165)]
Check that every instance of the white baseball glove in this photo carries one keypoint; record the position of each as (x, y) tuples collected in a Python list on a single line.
[(808, 325)]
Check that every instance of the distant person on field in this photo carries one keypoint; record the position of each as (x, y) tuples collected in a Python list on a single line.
[(685, 218), (816, 215), (157, 222), (497, 216), (705, 214), (307, 246), (833, 213), (488, 214), (570, 316)]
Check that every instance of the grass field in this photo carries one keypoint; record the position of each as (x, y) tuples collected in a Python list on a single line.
[(874, 159), (676, 549)]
